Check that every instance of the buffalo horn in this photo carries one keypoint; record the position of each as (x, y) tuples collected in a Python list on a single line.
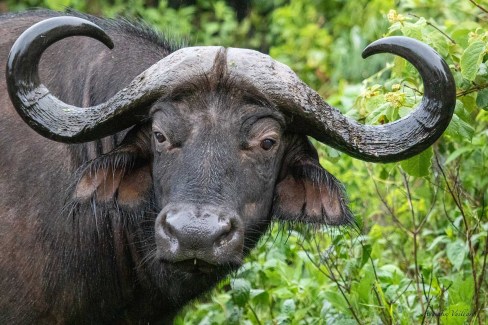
[(306, 110), (62, 122), (312, 116)]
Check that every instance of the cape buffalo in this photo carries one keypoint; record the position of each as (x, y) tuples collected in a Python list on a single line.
[(132, 180)]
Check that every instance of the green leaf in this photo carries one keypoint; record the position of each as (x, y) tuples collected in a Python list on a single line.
[(234, 316), (471, 59), (337, 301), (482, 99), (363, 288), (366, 254), (440, 43), (390, 274), (418, 165), (260, 298), (288, 307), (461, 290), (399, 66), (456, 252), (241, 290), (457, 153), (456, 314), (414, 30), (58, 4), (437, 240), (459, 129)]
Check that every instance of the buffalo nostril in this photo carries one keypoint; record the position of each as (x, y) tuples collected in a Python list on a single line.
[(166, 224), (192, 229), (225, 223), (226, 229)]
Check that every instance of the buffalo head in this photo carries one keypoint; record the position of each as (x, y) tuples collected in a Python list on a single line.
[(218, 144)]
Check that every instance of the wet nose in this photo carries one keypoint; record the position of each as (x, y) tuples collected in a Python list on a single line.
[(193, 231), (209, 234)]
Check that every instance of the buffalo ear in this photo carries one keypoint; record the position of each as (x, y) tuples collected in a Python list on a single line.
[(122, 175), (308, 193)]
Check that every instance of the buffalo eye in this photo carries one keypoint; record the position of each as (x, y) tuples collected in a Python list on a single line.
[(159, 137), (267, 144)]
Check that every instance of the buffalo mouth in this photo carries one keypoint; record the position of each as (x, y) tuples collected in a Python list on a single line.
[(194, 266)]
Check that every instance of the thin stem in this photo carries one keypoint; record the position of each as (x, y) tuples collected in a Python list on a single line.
[(471, 255), (436, 28), (427, 298), (254, 313), (481, 277), (383, 200), (479, 6), (401, 294), (409, 198), (414, 232), (475, 88), (333, 278), (413, 88)]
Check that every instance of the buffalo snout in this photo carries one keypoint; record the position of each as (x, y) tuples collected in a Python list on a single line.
[(192, 235)]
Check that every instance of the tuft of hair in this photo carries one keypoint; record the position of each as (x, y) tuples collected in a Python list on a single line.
[(327, 192)]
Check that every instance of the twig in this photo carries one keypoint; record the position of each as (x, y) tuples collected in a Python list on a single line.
[(383, 200), (378, 298), (481, 278), (413, 88), (342, 279), (409, 197), (427, 297), (479, 6), (457, 201), (414, 232), (438, 314), (439, 167), (475, 88), (400, 294), (333, 278), (435, 27)]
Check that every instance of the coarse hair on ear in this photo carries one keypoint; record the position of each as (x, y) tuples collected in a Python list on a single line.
[(305, 191), (122, 175)]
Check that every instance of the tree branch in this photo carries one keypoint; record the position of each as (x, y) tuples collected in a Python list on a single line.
[(479, 6)]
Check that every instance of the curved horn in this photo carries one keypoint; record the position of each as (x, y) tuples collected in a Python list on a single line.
[(383, 143), (24, 86), (59, 121), (310, 114)]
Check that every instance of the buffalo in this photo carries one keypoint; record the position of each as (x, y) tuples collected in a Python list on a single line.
[(132, 180)]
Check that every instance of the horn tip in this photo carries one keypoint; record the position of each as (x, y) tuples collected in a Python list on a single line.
[(386, 44)]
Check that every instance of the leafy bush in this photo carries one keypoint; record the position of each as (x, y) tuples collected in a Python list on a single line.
[(419, 253)]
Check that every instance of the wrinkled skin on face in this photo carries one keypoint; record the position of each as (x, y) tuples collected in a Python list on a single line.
[(217, 164), (216, 160)]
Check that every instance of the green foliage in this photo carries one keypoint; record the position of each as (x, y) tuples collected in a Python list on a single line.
[(471, 59), (419, 165), (419, 253)]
